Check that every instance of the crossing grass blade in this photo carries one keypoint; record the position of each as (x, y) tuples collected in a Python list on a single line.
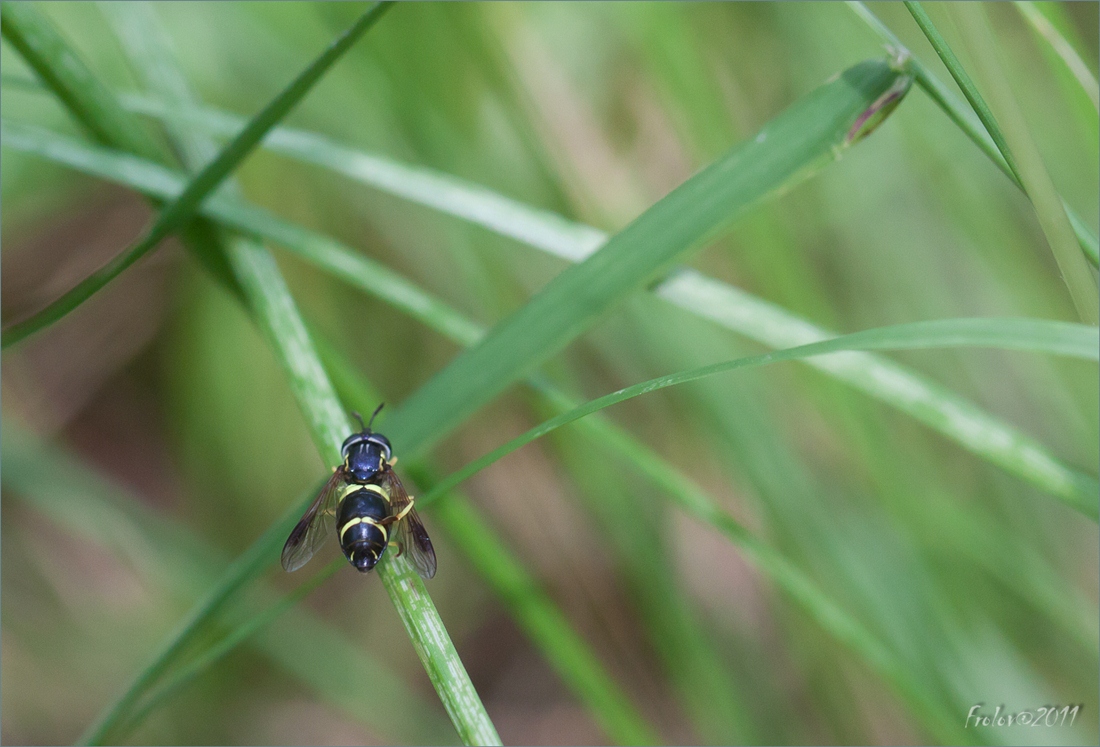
[(186, 673), (183, 207), (92, 105), (970, 91), (728, 306), (811, 133), (502, 215), (277, 315), (542, 620)]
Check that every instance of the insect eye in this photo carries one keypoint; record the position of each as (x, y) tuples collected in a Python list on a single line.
[(349, 442), (378, 438)]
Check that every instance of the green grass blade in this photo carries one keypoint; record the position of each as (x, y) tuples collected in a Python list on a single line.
[(1033, 174), (541, 619), (148, 48), (279, 319), (93, 506), (1034, 179), (811, 133), (70, 80), (183, 675), (896, 385), (244, 569), (967, 121), (970, 91), (486, 208), (768, 321), (1056, 338), (1061, 46), (183, 207), (532, 608), (730, 307)]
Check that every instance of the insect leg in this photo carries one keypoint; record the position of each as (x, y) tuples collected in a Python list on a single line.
[(401, 514)]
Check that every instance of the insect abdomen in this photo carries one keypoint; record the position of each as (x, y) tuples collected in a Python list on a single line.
[(359, 517)]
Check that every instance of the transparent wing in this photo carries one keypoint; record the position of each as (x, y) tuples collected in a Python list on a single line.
[(312, 531), (414, 537)]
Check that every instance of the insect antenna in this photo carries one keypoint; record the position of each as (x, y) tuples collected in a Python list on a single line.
[(359, 417), (372, 417)]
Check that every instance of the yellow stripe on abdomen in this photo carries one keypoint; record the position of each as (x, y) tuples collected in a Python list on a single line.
[(363, 520)]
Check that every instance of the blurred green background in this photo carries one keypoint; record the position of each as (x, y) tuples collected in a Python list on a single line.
[(162, 386)]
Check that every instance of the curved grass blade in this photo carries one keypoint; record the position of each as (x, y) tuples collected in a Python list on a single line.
[(1056, 338), (968, 122), (244, 569), (730, 307), (97, 110), (811, 133), (183, 207)]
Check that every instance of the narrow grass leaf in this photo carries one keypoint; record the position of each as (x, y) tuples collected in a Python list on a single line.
[(811, 133), (92, 105), (183, 207), (1056, 338), (278, 318), (96, 109), (970, 91), (723, 304), (542, 620), (247, 567)]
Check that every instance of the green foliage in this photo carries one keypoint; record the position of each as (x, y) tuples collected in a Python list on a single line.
[(685, 563)]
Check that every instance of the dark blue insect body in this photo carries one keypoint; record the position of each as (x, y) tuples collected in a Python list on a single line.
[(365, 502)]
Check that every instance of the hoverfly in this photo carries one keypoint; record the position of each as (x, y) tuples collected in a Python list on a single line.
[(362, 501)]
